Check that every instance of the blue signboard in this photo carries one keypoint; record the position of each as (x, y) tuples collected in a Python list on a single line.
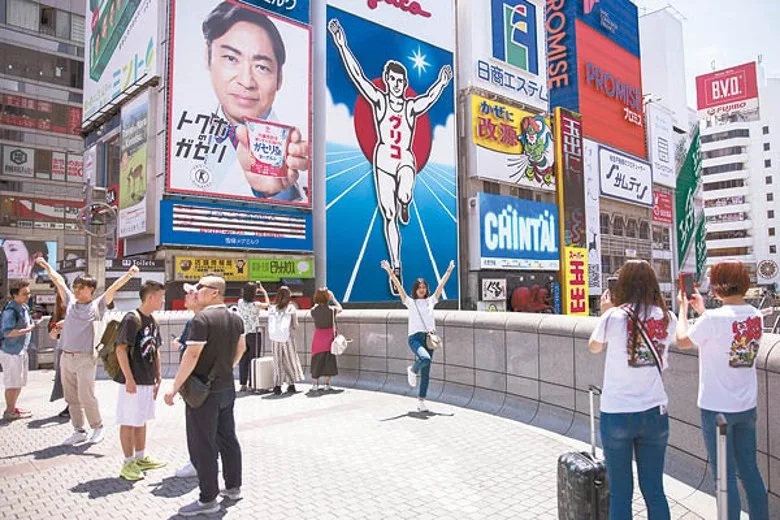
[(204, 224), (562, 77), (517, 233), (615, 19), (513, 27), (294, 9)]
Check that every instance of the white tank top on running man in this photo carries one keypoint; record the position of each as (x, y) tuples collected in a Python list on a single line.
[(728, 340), (632, 383), (427, 322)]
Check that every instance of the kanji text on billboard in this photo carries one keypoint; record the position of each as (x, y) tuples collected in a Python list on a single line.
[(575, 281), (662, 207), (625, 177), (725, 91), (570, 177)]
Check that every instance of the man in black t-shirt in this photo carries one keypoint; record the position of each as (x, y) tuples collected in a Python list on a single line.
[(214, 346), (137, 345)]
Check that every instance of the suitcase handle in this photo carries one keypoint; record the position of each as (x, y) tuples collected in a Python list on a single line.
[(593, 390), (722, 478)]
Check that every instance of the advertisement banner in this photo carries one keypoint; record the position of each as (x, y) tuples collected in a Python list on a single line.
[(503, 49), (24, 112), (660, 145), (624, 177), (20, 256), (276, 268), (726, 91), (391, 184), (494, 289), (18, 161), (76, 166), (59, 164), (511, 145), (133, 167), (562, 73), (192, 268), (236, 137), (593, 216), (575, 283), (617, 20), (209, 225), (662, 207), (516, 234), (685, 198), (120, 49), (701, 247), (570, 177)]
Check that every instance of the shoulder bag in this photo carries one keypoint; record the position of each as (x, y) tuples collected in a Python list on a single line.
[(339, 343), (659, 362), (194, 391), (432, 340)]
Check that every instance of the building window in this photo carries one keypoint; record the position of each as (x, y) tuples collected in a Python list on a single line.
[(773, 250), (767, 163), (2, 11), (617, 226), (766, 130), (77, 28), (723, 168), (644, 230), (770, 197), (605, 264), (604, 224), (47, 20), (631, 228), (23, 13), (493, 188), (771, 232), (768, 179), (766, 147), (770, 213), (63, 24)]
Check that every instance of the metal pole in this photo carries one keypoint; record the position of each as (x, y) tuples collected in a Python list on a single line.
[(722, 477)]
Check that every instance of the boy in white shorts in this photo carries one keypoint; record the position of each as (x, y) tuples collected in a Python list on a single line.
[(137, 346)]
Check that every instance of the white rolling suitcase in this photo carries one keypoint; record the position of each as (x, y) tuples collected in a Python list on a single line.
[(261, 375)]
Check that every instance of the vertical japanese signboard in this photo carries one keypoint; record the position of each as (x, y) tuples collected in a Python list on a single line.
[(575, 281), (133, 167), (687, 185)]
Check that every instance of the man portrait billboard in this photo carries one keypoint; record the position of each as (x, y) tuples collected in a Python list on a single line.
[(239, 124)]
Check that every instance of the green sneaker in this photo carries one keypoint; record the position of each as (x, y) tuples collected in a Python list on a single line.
[(148, 462), (130, 471)]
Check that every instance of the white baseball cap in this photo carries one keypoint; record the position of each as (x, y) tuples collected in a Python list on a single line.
[(188, 288)]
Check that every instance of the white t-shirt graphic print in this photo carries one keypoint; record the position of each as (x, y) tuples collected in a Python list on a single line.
[(728, 340), (631, 380)]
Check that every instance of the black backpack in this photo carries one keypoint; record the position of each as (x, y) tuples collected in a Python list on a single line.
[(107, 347)]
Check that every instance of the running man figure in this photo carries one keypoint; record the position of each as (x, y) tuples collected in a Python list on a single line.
[(395, 120)]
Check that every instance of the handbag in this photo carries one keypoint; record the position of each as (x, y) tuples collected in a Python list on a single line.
[(194, 391), (432, 340), (339, 343), (659, 362)]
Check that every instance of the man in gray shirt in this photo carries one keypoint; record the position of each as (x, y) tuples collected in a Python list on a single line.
[(79, 360)]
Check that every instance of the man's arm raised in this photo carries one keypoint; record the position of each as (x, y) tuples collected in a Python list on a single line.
[(355, 73), (54, 276), (422, 104), (108, 296)]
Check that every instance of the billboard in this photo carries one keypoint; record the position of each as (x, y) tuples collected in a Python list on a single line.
[(193, 268), (391, 184), (570, 177), (503, 49), (688, 182), (614, 19), (624, 177), (134, 166), (562, 55), (662, 207), (660, 145), (274, 269), (514, 234), (511, 145), (593, 216), (36, 114), (239, 120), (18, 161), (21, 255), (729, 90), (209, 225), (120, 49), (575, 281)]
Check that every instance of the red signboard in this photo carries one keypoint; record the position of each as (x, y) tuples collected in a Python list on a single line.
[(610, 91), (662, 207), (728, 90), (39, 115)]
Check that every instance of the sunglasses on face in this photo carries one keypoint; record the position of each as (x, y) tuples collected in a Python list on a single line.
[(202, 286)]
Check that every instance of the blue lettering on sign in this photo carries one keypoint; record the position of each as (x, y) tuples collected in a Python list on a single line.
[(516, 229), (613, 87)]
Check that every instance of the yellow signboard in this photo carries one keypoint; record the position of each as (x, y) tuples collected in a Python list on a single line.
[(190, 268), (575, 281)]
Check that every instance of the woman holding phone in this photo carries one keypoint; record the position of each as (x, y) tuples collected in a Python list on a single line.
[(728, 339), (636, 329)]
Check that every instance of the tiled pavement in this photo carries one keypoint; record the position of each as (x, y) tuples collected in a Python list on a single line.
[(349, 454)]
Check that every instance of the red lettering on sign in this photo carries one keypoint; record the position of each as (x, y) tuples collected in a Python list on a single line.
[(408, 6)]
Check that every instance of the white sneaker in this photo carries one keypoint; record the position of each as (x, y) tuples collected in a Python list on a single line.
[(328, 388), (97, 435), (411, 376), (76, 438), (186, 471), (421, 406), (232, 493)]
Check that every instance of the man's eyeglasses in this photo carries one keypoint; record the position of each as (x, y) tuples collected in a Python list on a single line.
[(202, 286)]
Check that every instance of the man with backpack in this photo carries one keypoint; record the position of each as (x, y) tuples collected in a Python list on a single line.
[(79, 360), (137, 352), (17, 327)]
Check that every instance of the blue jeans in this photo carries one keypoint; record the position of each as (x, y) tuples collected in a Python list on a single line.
[(422, 360), (643, 435), (741, 460)]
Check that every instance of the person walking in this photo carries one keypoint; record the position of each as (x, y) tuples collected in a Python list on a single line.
[(249, 310), (323, 362), (138, 353), (215, 345), (728, 339), (282, 324), (17, 327), (636, 329), (79, 358), (55, 333), (421, 321)]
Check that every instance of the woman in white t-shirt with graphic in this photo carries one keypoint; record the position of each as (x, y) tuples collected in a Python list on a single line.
[(421, 321), (728, 340), (635, 328)]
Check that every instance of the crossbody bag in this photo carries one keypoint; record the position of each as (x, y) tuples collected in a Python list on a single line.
[(432, 340), (659, 363)]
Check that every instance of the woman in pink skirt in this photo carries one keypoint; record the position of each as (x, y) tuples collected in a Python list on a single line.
[(323, 363)]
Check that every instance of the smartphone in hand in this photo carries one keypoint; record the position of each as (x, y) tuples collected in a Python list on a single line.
[(612, 286), (686, 284)]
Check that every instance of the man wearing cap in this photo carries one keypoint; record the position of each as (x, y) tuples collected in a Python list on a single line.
[(214, 346)]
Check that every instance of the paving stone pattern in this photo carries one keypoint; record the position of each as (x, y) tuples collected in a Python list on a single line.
[(349, 454)]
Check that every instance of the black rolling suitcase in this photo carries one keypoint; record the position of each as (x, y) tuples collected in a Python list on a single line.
[(583, 493)]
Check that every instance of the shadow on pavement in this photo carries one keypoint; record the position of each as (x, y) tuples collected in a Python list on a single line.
[(103, 487), (223, 510), (47, 422), (172, 487), (321, 393), (58, 451), (423, 416), (283, 395)]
